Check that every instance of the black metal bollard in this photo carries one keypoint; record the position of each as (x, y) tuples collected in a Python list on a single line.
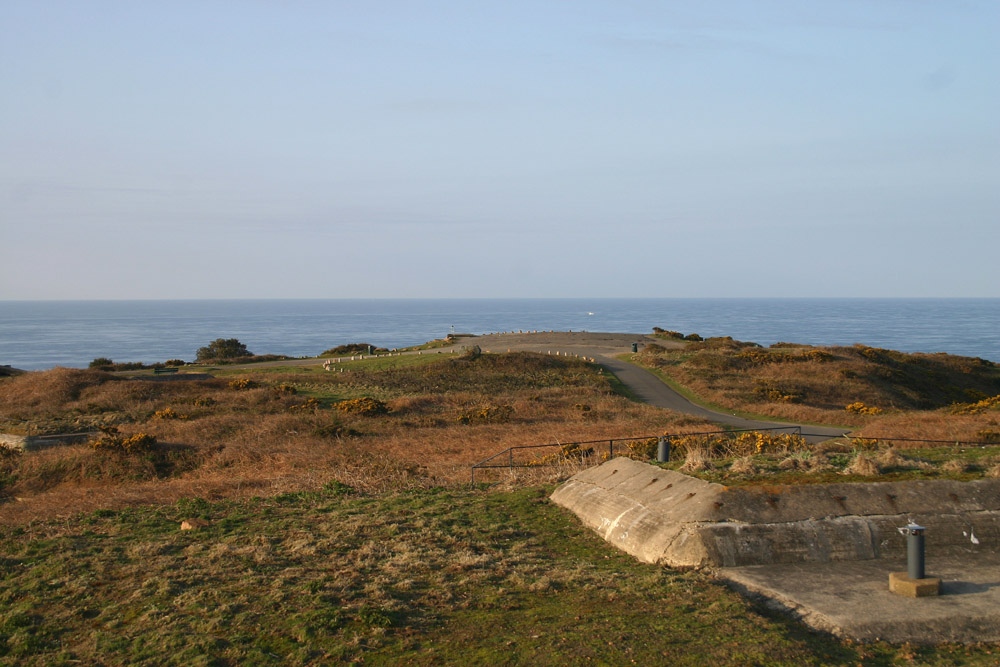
[(663, 450), (915, 551)]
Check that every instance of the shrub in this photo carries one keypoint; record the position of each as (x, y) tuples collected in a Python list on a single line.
[(333, 430), (693, 337), (366, 405), (174, 362), (987, 435), (977, 407), (102, 364), (487, 414), (168, 413), (112, 440), (567, 453), (284, 390), (819, 355), (310, 405), (859, 408), (223, 348), (663, 333), (243, 384), (777, 394), (757, 442), (643, 450), (865, 444)]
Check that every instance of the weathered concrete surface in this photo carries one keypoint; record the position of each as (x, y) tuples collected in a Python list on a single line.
[(27, 443), (661, 516), (822, 553), (852, 599)]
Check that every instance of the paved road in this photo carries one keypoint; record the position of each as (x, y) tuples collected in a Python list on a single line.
[(604, 348)]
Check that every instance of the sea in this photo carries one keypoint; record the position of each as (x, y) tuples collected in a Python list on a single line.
[(37, 335)]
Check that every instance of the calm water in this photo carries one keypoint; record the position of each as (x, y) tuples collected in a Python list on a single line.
[(42, 334)]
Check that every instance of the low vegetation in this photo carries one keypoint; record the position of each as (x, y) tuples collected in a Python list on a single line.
[(383, 423), (882, 392), (333, 520), (766, 458), (426, 577)]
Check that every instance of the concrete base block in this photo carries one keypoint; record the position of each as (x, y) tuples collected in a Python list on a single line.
[(901, 584)]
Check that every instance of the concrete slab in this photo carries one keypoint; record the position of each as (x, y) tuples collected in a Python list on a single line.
[(852, 599), (661, 516)]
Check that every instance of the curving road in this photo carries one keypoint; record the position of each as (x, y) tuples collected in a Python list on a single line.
[(646, 386), (604, 348)]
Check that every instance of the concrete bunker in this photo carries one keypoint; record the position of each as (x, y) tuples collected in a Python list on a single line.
[(665, 517)]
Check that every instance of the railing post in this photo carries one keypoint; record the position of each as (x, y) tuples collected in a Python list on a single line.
[(611, 449), (511, 452)]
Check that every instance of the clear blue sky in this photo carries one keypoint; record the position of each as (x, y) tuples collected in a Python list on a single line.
[(505, 149)]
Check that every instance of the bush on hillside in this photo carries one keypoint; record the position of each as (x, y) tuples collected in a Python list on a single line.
[(223, 348)]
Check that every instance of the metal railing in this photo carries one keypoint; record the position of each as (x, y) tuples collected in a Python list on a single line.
[(603, 449), (596, 450)]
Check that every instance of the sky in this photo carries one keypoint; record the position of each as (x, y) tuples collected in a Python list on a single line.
[(394, 149)]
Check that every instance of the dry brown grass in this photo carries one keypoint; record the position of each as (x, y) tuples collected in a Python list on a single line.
[(227, 443), (914, 392), (697, 460), (863, 465), (744, 466)]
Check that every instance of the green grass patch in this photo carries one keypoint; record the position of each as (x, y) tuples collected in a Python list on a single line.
[(428, 577)]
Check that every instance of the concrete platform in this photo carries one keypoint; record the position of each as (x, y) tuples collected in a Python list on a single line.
[(852, 599), (822, 553)]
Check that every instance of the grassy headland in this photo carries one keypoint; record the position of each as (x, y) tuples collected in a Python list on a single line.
[(339, 525), (432, 576)]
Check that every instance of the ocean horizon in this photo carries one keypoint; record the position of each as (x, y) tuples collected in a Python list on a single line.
[(36, 335)]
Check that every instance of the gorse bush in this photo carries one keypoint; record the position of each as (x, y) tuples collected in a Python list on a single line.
[(310, 405), (168, 413), (988, 435), (487, 414), (366, 406), (976, 408), (243, 384), (859, 408), (643, 450), (112, 440), (776, 394), (758, 357)]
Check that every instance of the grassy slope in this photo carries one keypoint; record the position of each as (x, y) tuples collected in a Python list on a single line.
[(814, 385), (423, 577)]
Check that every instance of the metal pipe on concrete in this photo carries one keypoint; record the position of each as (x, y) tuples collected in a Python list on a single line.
[(663, 450), (915, 551)]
